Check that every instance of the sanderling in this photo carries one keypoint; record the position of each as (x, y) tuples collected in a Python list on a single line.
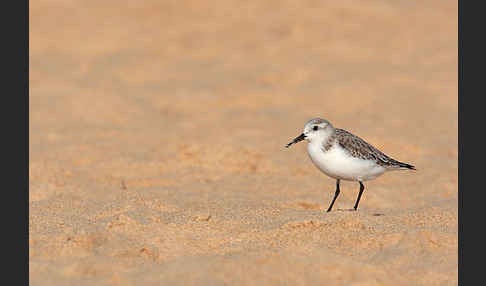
[(344, 156)]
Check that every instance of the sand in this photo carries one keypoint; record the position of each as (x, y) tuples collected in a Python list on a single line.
[(157, 133)]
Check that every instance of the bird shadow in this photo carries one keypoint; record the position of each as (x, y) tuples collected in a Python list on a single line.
[(345, 210), (353, 210)]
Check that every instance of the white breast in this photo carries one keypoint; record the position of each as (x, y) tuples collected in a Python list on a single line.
[(339, 164)]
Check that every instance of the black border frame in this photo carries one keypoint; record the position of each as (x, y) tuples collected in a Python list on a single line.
[(15, 119)]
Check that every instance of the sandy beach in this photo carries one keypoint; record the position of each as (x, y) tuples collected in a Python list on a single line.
[(157, 133)]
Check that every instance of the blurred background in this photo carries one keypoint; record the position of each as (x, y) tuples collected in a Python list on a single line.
[(157, 131)]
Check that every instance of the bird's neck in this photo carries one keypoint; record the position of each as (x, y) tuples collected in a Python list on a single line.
[(325, 140)]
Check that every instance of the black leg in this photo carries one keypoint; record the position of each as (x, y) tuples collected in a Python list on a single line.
[(361, 189), (336, 194)]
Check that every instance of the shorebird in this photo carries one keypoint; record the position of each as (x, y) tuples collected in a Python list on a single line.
[(344, 156)]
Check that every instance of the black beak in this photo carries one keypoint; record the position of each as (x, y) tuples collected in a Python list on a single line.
[(296, 140)]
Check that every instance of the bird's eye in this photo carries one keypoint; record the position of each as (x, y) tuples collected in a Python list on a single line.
[(315, 128)]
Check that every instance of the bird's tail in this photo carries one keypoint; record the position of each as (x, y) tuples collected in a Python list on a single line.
[(401, 165)]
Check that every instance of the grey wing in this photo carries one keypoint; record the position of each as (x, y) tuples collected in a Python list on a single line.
[(359, 148)]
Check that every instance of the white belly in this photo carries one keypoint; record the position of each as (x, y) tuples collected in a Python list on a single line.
[(338, 164)]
